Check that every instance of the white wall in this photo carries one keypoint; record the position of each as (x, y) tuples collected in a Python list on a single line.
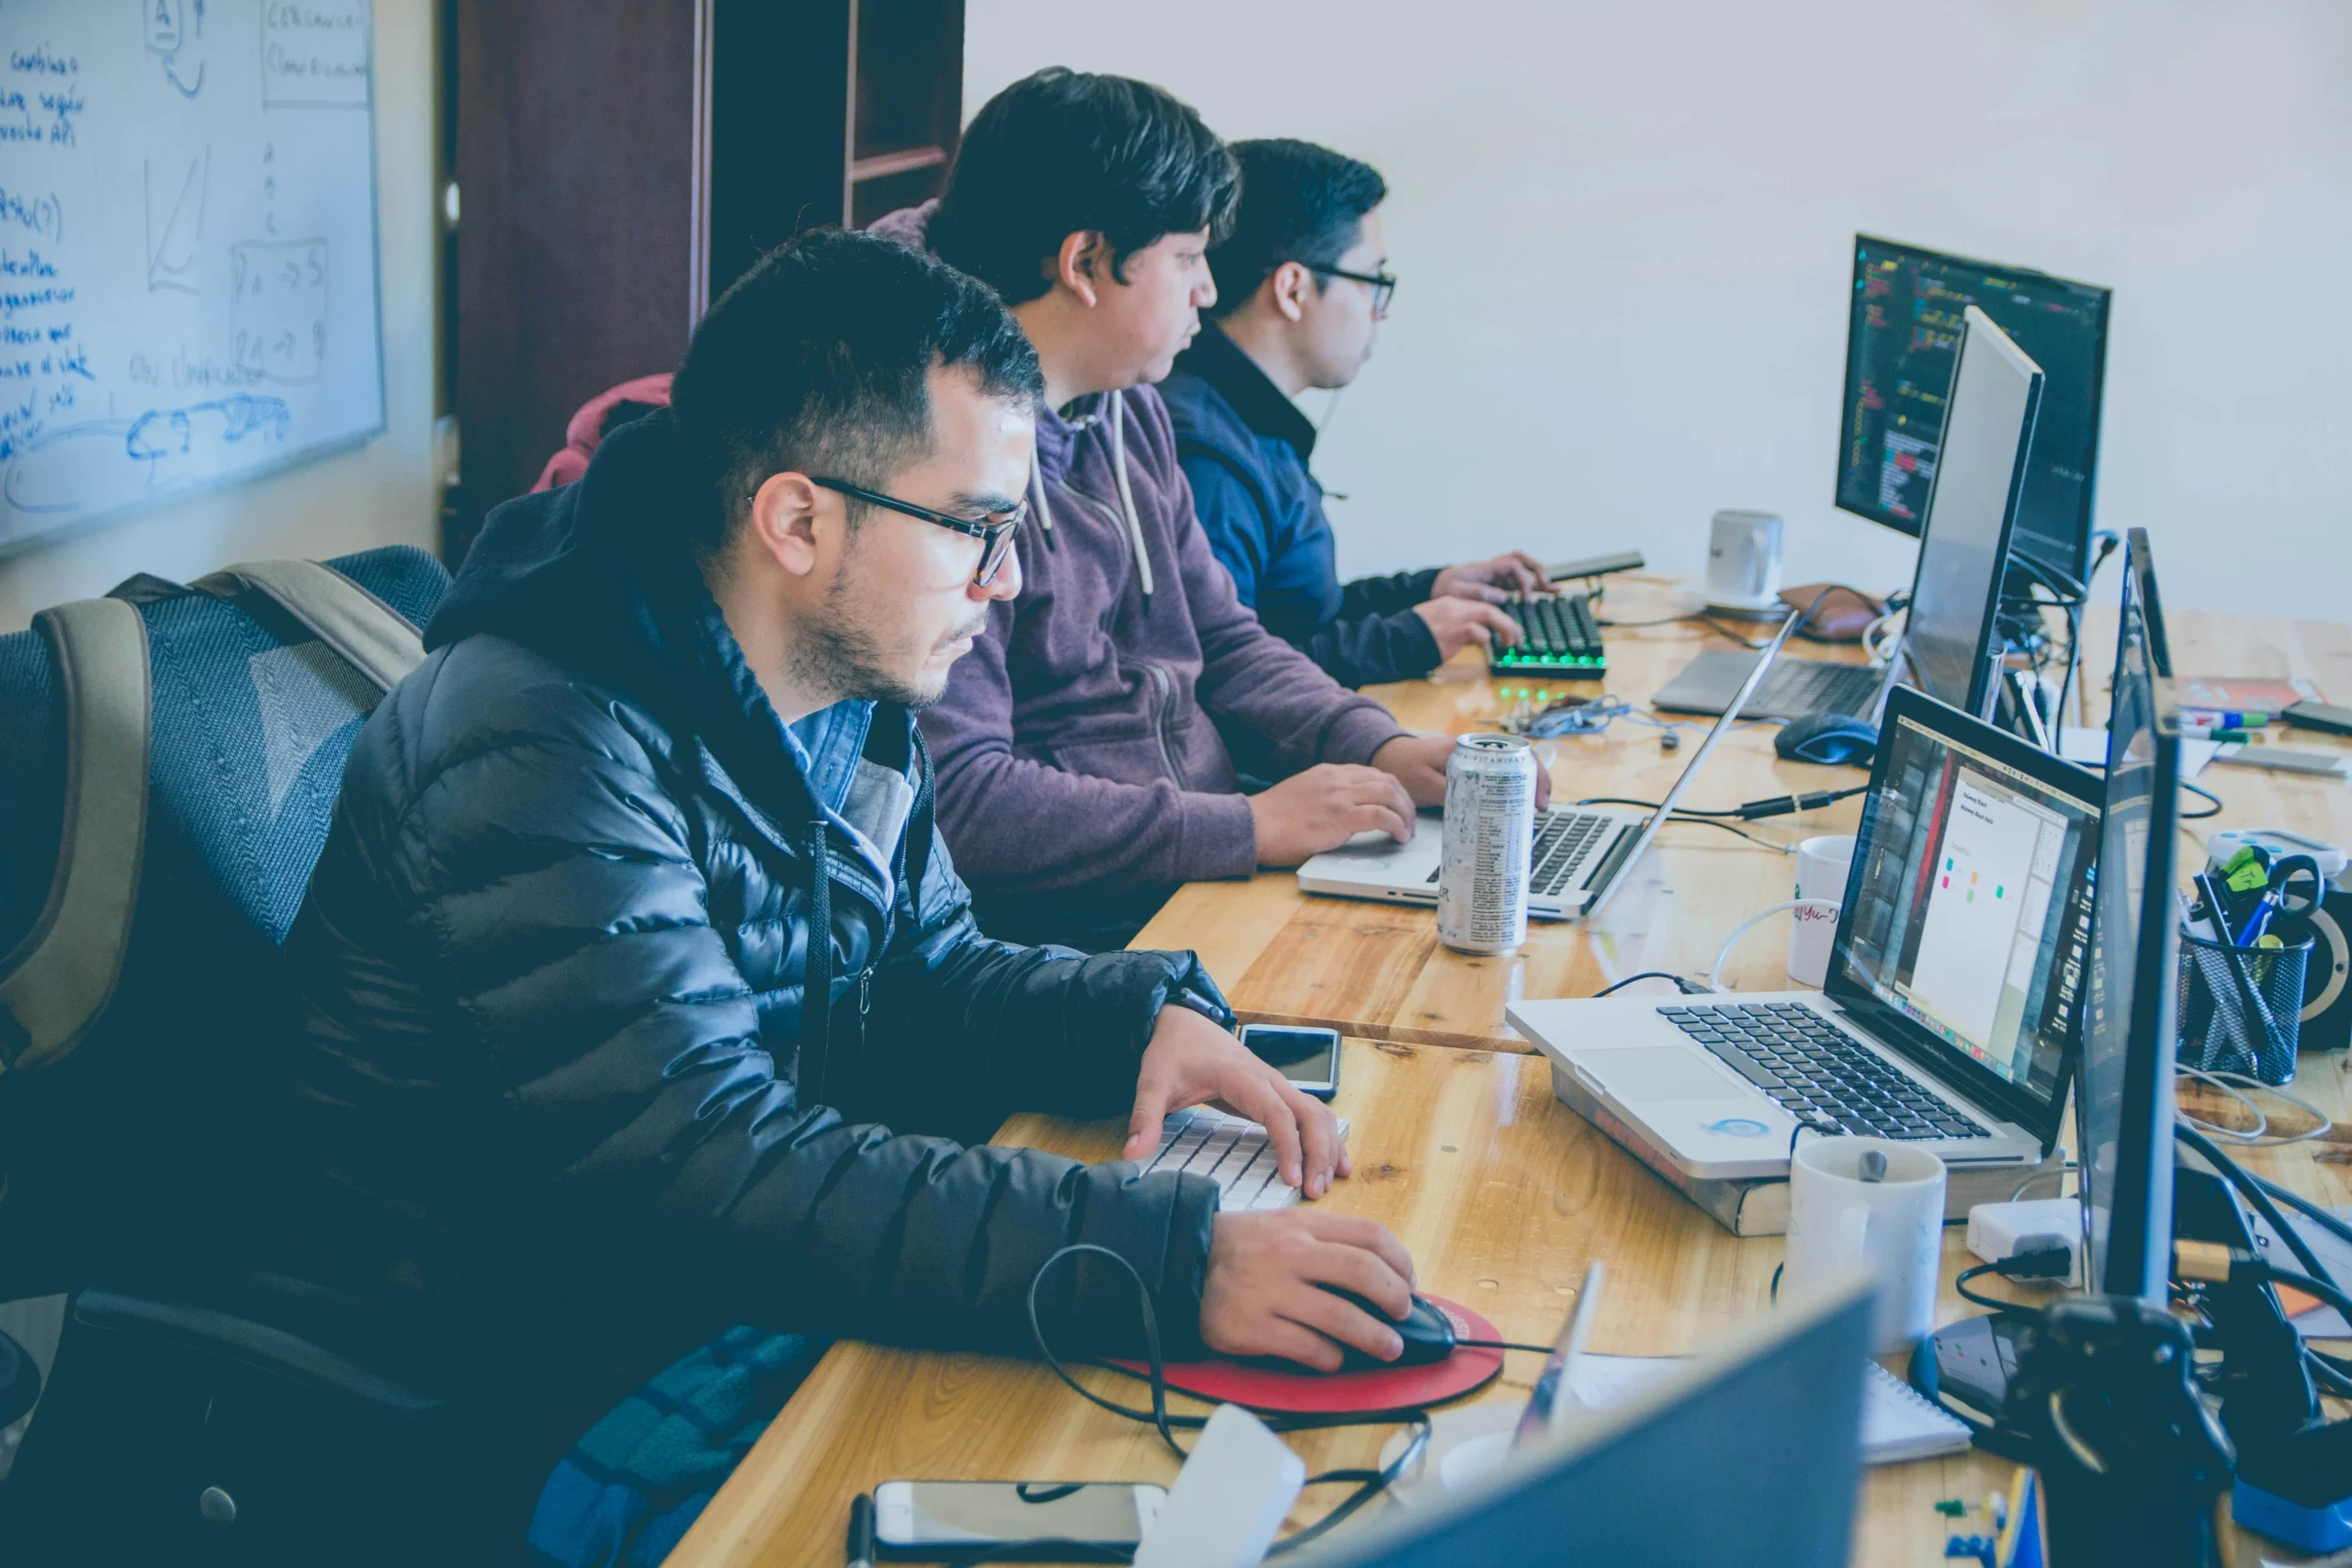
[(1623, 232), (380, 493)]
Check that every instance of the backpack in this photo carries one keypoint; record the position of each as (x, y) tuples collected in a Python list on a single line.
[(170, 757)]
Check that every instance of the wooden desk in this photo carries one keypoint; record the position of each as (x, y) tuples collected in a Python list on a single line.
[(1377, 970), (1501, 1193)]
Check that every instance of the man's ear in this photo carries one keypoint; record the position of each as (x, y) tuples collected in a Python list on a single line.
[(1286, 288), (1082, 264), (783, 521)]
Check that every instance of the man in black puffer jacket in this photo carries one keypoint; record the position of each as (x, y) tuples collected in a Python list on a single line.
[(655, 786)]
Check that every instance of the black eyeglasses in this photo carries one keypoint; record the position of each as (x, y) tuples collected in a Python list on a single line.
[(1384, 286), (994, 531)]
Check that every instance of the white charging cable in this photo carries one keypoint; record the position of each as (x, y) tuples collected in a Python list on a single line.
[(1723, 953)]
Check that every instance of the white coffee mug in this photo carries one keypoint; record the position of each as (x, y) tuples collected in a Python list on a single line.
[(1891, 1229), (1744, 560), (1821, 874)]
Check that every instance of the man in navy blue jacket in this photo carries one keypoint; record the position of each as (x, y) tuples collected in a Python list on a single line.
[(1301, 288)]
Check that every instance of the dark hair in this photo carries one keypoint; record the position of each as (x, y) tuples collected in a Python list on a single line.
[(818, 359), (1062, 152), (1299, 203)]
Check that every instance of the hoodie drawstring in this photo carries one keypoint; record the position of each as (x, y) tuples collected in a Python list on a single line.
[(1127, 496), (1037, 492)]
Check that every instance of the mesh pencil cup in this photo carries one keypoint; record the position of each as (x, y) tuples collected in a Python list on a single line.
[(2216, 1033)]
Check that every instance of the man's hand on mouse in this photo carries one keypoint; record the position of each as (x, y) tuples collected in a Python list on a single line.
[(1264, 1295), (1192, 1062)]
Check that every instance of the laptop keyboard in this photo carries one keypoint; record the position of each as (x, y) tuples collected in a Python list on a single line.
[(1565, 842), (1811, 685), (1806, 1063), (1562, 639), (1232, 1151)]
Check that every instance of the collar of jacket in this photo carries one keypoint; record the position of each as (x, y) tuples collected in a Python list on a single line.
[(1219, 361), (588, 574)]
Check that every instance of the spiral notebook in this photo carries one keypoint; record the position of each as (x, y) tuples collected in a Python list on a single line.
[(1899, 1423)]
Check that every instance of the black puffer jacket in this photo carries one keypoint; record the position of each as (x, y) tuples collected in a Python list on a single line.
[(560, 1083)]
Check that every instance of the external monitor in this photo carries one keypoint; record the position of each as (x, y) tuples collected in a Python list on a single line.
[(2124, 1099), (1905, 327), (1750, 1460), (1968, 515)]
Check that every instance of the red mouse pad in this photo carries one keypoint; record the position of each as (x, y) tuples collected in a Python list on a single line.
[(1306, 1391)]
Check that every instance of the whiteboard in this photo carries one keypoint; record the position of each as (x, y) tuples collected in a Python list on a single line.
[(188, 249)]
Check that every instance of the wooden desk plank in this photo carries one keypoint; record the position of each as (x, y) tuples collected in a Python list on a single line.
[(1501, 1193), (1377, 970)]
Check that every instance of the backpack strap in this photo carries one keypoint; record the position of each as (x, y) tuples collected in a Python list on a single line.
[(371, 636), (63, 973)]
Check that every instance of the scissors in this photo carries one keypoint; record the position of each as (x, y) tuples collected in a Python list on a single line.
[(2278, 896)]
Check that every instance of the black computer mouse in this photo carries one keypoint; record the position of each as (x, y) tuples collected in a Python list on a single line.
[(1829, 738), (1428, 1335)]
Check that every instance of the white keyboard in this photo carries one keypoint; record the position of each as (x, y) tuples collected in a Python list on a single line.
[(1232, 1151)]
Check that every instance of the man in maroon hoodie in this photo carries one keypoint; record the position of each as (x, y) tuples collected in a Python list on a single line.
[(1093, 746)]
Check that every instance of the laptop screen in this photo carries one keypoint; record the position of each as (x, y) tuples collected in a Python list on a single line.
[(1967, 913)]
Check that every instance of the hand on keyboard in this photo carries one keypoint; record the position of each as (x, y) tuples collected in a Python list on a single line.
[(1192, 1062), (1456, 624)]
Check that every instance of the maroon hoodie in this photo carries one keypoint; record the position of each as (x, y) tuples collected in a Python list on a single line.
[(1082, 746)]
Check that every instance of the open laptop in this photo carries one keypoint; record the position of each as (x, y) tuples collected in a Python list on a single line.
[(1979, 475), (1955, 983), (1750, 1458), (1582, 852)]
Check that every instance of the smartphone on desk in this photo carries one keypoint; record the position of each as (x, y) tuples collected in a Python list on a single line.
[(915, 1518), (2321, 716), (1308, 1057)]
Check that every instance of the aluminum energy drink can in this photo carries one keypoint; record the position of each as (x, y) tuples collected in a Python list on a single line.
[(1489, 844)]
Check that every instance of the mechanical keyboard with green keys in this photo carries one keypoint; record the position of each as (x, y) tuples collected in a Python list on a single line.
[(1562, 639)]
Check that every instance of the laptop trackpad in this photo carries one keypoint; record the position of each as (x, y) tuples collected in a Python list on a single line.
[(1665, 1072)]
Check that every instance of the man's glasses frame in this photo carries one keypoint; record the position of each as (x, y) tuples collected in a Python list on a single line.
[(1383, 285), (995, 531)]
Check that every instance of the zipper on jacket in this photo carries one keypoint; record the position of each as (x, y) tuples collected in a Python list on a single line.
[(1164, 700)]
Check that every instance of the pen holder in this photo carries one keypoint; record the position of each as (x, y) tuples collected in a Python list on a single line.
[(2216, 1034)]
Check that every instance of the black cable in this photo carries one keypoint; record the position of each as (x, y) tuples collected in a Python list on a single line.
[(2240, 1178), (1046, 1548), (2296, 1200), (1375, 1484), (1748, 811), (1960, 1284), (1685, 987), (2201, 816), (1733, 828), (1500, 1345), (1752, 645), (1158, 1414), (1158, 1418)]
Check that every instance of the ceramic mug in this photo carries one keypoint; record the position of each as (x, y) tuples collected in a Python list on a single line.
[(1891, 1229), (1821, 864)]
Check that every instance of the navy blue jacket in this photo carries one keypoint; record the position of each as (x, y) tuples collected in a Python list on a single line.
[(627, 1004), (1244, 448)]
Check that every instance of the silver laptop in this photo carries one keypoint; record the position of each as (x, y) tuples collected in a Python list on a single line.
[(1750, 1457), (1581, 854), (1956, 980), (1950, 632)]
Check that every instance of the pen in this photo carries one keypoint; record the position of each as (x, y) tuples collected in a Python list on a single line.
[(860, 1550)]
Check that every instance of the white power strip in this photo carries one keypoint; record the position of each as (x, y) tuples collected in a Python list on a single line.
[(1995, 1230)]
